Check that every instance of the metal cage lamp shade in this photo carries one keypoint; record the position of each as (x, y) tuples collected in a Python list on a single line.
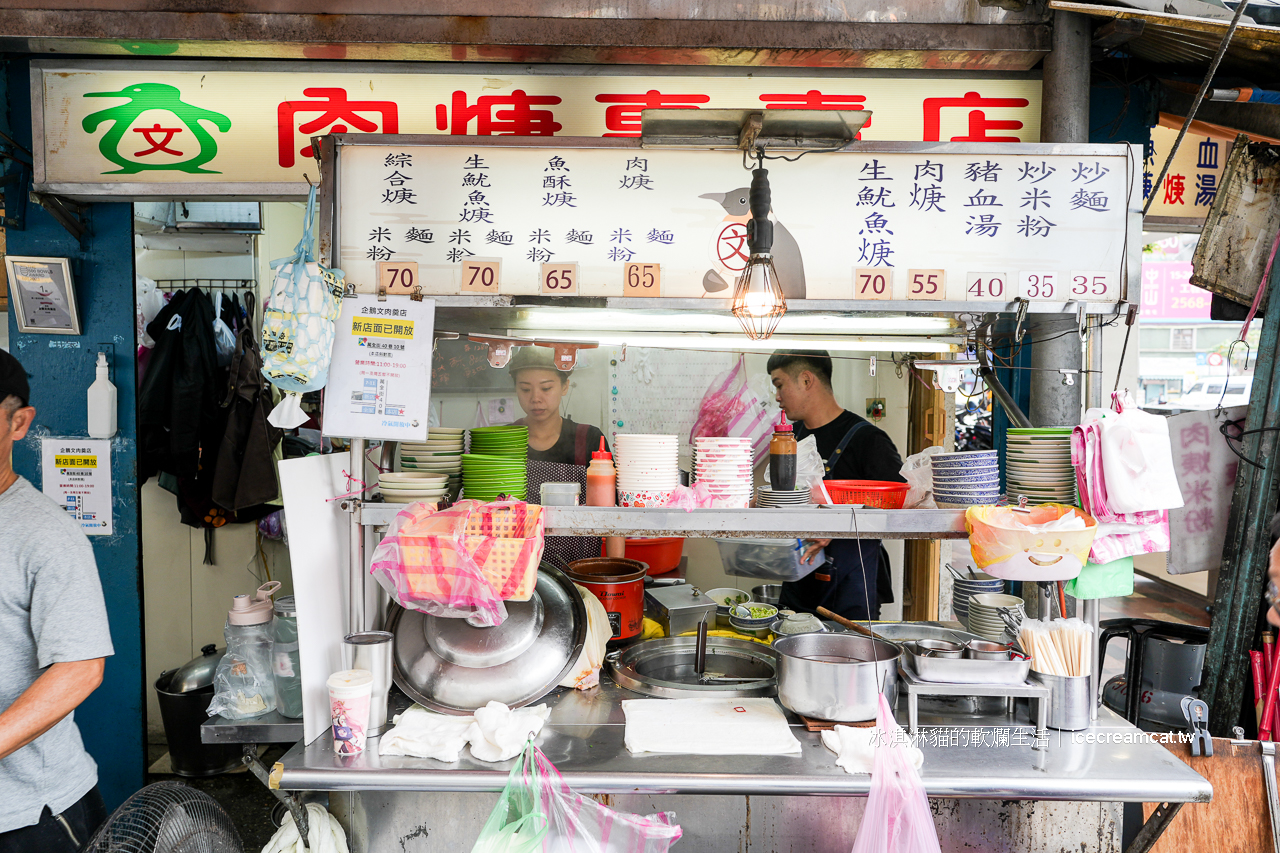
[(758, 303)]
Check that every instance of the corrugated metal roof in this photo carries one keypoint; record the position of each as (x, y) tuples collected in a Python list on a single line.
[(1190, 43)]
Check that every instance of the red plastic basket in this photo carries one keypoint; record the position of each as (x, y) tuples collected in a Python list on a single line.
[(877, 494)]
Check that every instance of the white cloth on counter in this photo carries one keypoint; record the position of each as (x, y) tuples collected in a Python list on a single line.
[(708, 727), (855, 748), (586, 672), (324, 834), (499, 732), (425, 734), (495, 733)]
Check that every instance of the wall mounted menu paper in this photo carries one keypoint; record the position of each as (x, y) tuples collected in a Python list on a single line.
[(380, 379), (1050, 222), (76, 473)]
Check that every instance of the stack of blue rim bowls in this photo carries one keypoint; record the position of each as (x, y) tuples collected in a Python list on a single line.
[(961, 589), (965, 479)]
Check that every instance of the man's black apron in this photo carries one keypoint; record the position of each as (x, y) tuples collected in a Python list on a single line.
[(841, 584)]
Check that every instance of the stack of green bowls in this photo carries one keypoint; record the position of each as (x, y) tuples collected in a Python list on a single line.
[(496, 464)]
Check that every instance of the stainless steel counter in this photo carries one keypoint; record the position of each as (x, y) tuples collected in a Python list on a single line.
[(584, 739), (812, 522), (271, 727)]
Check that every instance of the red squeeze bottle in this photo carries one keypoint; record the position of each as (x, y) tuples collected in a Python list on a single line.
[(602, 479), (1255, 665), (782, 456)]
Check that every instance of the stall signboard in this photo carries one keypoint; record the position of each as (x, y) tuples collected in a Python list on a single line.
[(925, 223), (76, 474), (1191, 184), (380, 376), (163, 128), (1206, 470), (1168, 294)]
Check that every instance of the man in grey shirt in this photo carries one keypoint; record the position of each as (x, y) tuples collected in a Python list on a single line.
[(53, 632)]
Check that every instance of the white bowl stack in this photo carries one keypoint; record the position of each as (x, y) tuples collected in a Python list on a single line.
[(406, 488), (1038, 465), (984, 615), (724, 466), (648, 468), (970, 478), (441, 453)]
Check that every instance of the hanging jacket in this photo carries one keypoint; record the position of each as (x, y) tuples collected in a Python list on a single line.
[(178, 411), (246, 472)]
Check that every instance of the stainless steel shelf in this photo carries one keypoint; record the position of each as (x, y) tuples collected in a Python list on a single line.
[(269, 728), (826, 522), (987, 759)]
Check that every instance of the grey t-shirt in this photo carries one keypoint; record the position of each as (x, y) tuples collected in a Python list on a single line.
[(51, 611)]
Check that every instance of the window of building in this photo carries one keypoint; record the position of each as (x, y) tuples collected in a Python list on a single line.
[(1182, 339)]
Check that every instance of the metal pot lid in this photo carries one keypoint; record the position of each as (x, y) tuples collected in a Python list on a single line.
[(445, 671), (197, 673), (455, 641)]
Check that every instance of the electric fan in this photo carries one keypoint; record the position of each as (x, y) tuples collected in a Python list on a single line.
[(167, 817)]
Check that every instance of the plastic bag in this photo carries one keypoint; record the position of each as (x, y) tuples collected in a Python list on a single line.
[(539, 812), (810, 469), (224, 340), (917, 470), (298, 324), (244, 682), (425, 563), (148, 302), (1118, 535), (1137, 459), (1108, 580), (731, 409), (1006, 542), (777, 560), (897, 818)]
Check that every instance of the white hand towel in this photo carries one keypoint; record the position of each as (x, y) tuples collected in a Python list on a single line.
[(425, 734), (708, 727), (855, 748), (499, 732)]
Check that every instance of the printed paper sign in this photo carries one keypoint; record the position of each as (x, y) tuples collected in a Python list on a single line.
[(380, 378), (77, 474)]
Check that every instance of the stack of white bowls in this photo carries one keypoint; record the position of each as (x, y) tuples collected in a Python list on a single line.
[(984, 615), (975, 583), (406, 488), (648, 468), (1038, 465), (441, 453), (970, 478), (724, 466)]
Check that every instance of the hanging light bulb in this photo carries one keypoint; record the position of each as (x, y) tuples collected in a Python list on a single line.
[(758, 302)]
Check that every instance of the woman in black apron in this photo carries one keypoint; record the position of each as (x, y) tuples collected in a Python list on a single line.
[(559, 449)]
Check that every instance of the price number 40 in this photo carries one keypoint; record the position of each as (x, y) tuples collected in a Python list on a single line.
[(987, 285)]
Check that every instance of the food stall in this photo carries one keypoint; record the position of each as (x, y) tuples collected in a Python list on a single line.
[(582, 243)]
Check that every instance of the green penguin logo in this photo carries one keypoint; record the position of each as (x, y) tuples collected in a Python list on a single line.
[(166, 142)]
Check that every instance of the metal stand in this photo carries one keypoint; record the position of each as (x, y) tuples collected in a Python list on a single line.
[(291, 801), (1154, 827), (915, 688)]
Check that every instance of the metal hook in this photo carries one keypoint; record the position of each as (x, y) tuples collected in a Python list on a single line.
[(1018, 331), (308, 179), (1083, 322)]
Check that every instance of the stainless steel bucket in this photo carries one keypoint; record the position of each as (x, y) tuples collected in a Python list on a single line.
[(836, 676)]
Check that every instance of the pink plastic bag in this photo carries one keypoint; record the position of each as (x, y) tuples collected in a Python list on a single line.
[(425, 563), (1119, 534), (730, 409), (539, 813), (897, 819)]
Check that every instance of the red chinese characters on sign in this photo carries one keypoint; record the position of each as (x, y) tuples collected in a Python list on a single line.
[(337, 113), (499, 115), (979, 124), (162, 145), (623, 118), (731, 246), (816, 100)]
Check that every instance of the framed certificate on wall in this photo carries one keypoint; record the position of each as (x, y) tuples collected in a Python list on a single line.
[(43, 295)]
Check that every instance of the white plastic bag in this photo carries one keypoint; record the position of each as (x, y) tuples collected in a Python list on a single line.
[(148, 303), (811, 468), (918, 472), (586, 671), (1137, 459)]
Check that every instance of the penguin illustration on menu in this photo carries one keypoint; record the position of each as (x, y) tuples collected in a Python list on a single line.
[(729, 248)]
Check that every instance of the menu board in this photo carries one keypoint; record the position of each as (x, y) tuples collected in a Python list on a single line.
[(380, 377), (956, 222)]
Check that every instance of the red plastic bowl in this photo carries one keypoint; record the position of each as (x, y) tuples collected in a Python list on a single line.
[(661, 553), (876, 494)]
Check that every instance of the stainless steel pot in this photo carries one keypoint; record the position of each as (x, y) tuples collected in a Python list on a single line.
[(836, 677)]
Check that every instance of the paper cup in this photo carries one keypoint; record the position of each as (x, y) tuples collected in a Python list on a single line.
[(350, 693)]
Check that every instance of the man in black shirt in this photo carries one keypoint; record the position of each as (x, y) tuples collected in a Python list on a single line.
[(855, 580)]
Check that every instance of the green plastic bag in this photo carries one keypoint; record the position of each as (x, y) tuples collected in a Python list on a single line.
[(517, 823), (1105, 580)]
